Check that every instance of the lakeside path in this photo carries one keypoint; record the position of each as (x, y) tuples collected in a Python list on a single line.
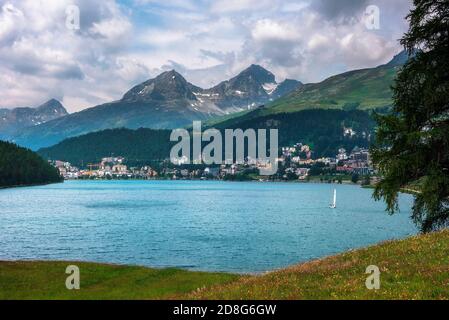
[(414, 268)]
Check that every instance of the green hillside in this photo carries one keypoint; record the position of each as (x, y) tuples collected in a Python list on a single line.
[(141, 145), (20, 167), (322, 129), (366, 89)]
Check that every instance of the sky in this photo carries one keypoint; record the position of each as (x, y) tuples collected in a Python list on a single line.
[(120, 43)]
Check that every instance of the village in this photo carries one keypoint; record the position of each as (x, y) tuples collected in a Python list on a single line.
[(294, 162)]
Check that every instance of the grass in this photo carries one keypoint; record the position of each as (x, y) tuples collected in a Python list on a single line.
[(365, 89), (414, 268), (46, 280)]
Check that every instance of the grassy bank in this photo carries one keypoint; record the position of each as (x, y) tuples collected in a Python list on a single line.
[(46, 280), (415, 268)]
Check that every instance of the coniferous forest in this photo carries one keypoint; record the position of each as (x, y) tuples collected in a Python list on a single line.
[(21, 167), (321, 129)]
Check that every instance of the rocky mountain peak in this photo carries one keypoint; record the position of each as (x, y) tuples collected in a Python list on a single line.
[(170, 77), (169, 85), (52, 106), (257, 73), (13, 120)]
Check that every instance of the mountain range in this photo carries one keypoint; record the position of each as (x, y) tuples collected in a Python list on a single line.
[(170, 101), (165, 102), (14, 120)]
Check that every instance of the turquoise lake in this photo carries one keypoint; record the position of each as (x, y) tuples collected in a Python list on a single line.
[(196, 225)]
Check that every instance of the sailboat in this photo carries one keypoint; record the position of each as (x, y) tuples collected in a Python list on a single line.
[(333, 205)]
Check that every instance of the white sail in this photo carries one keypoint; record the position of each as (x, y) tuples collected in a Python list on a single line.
[(334, 203), (335, 198)]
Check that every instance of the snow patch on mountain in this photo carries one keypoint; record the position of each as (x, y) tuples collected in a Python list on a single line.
[(270, 87)]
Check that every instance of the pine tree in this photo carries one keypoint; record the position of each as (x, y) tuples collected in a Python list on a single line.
[(20, 166), (412, 142)]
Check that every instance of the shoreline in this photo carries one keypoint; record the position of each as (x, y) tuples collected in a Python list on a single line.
[(315, 181), (30, 185), (247, 273), (324, 278)]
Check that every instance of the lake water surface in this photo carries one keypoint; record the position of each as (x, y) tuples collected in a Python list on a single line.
[(197, 225)]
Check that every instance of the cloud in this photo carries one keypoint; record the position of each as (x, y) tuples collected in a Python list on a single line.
[(223, 57), (12, 21), (43, 58), (346, 9), (32, 56), (114, 28), (227, 6), (121, 43), (269, 30)]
